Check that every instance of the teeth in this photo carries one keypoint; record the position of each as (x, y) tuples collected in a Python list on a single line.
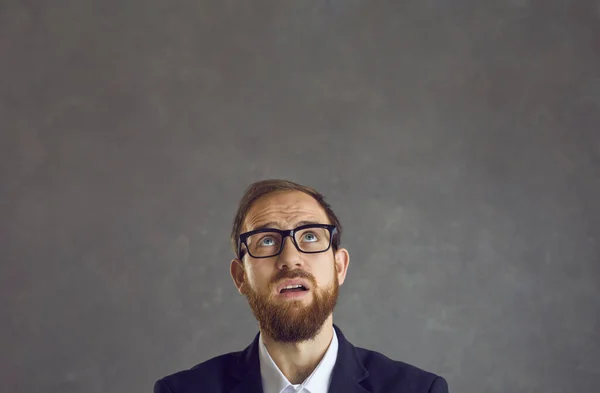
[(293, 286)]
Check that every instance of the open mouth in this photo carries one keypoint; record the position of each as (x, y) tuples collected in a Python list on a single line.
[(293, 288)]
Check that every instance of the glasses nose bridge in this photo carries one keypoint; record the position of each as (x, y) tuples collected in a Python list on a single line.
[(291, 235)]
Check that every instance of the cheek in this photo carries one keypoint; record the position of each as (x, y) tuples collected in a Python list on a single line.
[(326, 274), (256, 278)]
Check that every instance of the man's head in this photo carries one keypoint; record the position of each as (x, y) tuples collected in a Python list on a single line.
[(263, 268)]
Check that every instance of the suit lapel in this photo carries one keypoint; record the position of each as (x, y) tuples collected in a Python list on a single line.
[(249, 384), (246, 370), (348, 371)]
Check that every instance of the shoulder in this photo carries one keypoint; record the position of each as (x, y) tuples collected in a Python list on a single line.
[(210, 374), (390, 375)]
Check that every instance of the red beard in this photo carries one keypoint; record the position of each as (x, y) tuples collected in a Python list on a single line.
[(291, 320)]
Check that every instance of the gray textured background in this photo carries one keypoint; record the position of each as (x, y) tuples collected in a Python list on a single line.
[(457, 140)]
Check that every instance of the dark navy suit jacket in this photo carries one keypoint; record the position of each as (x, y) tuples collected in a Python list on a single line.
[(356, 370)]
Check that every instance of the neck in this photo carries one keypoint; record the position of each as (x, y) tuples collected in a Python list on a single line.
[(298, 360)]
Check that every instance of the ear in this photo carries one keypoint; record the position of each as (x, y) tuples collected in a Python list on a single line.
[(342, 260), (236, 269)]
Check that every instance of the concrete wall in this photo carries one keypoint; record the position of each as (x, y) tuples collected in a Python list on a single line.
[(459, 142)]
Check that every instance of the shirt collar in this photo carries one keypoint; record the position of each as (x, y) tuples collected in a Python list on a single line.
[(318, 381)]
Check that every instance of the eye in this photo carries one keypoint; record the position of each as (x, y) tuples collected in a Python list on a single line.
[(309, 237), (267, 241)]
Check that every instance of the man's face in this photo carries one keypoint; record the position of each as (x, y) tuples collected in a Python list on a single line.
[(289, 316)]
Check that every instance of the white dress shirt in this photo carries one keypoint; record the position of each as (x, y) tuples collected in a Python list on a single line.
[(318, 381)]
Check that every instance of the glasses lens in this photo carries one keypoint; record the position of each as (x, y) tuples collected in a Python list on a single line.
[(312, 239), (266, 244)]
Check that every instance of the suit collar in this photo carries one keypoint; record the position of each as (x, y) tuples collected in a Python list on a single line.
[(348, 372), (246, 370), (347, 375)]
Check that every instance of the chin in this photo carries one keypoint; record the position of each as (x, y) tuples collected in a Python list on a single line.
[(293, 303), (296, 304)]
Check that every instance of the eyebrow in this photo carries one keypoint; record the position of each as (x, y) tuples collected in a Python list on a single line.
[(274, 225)]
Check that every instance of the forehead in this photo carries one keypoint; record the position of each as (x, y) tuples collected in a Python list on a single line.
[(284, 209)]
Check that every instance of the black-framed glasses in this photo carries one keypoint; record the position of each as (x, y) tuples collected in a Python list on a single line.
[(268, 242)]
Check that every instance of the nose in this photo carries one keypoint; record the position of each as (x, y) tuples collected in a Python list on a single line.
[(290, 257)]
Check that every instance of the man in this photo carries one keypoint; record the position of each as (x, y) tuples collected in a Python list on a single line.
[(289, 265)]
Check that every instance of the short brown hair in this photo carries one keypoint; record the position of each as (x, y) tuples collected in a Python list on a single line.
[(264, 187)]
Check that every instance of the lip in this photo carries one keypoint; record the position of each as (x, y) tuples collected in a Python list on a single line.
[(295, 281), (292, 295)]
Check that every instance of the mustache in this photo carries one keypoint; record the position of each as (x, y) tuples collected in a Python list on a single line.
[(291, 274)]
